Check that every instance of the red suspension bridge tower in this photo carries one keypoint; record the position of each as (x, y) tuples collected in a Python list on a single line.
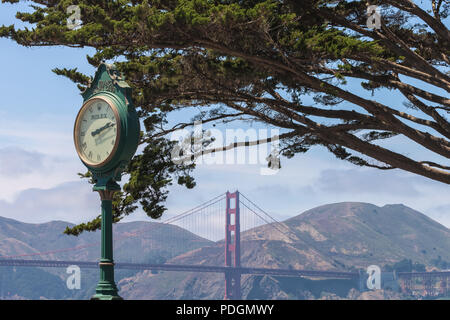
[(232, 247)]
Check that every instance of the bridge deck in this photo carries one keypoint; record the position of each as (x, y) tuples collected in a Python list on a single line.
[(188, 268), (213, 269)]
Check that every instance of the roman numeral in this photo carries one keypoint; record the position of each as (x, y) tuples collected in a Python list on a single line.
[(83, 133), (84, 145), (98, 157), (90, 155)]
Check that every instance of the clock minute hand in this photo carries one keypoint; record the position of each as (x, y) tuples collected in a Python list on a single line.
[(106, 126)]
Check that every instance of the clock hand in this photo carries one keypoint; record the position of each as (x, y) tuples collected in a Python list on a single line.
[(102, 138), (106, 126)]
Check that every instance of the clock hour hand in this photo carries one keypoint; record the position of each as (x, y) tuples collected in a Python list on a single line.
[(106, 126)]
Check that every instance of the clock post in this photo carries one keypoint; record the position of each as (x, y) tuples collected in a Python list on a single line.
[(106, 137), (106, 288)]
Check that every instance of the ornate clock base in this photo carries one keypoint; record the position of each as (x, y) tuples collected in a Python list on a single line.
[(106, 288), (103, 297), (106, 291)]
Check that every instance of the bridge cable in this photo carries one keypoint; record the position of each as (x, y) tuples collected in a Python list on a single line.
[(168, 221)]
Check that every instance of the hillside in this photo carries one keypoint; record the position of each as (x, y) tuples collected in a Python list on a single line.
[(145, 242), (133, 241), (358, 234), (342, 236)]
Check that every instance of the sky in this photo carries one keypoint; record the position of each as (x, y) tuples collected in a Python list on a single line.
[(39, 165)]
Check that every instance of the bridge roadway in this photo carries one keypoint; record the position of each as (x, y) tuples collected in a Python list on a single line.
[(212, 269), (188, 268)]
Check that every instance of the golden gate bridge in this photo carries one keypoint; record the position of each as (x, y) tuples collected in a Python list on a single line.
[(241, 215)]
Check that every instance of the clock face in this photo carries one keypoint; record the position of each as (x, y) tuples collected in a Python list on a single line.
[(97, 131)]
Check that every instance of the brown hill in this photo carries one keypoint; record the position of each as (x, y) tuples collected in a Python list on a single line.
[(341, 236)]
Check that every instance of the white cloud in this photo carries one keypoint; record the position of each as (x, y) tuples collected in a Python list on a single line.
[(44, 133), (22, 169), (369, 181), (312, 180), (15, 162), (73, 202), (387, 187)]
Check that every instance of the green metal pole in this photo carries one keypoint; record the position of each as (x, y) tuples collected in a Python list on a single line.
[(106, 288)]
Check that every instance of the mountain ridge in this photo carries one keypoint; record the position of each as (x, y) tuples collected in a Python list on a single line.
[(341, 236)]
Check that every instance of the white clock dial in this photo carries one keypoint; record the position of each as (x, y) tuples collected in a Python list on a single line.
[(96, 131)]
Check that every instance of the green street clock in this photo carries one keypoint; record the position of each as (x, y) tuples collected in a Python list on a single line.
[(106, 132), (106, 136)]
